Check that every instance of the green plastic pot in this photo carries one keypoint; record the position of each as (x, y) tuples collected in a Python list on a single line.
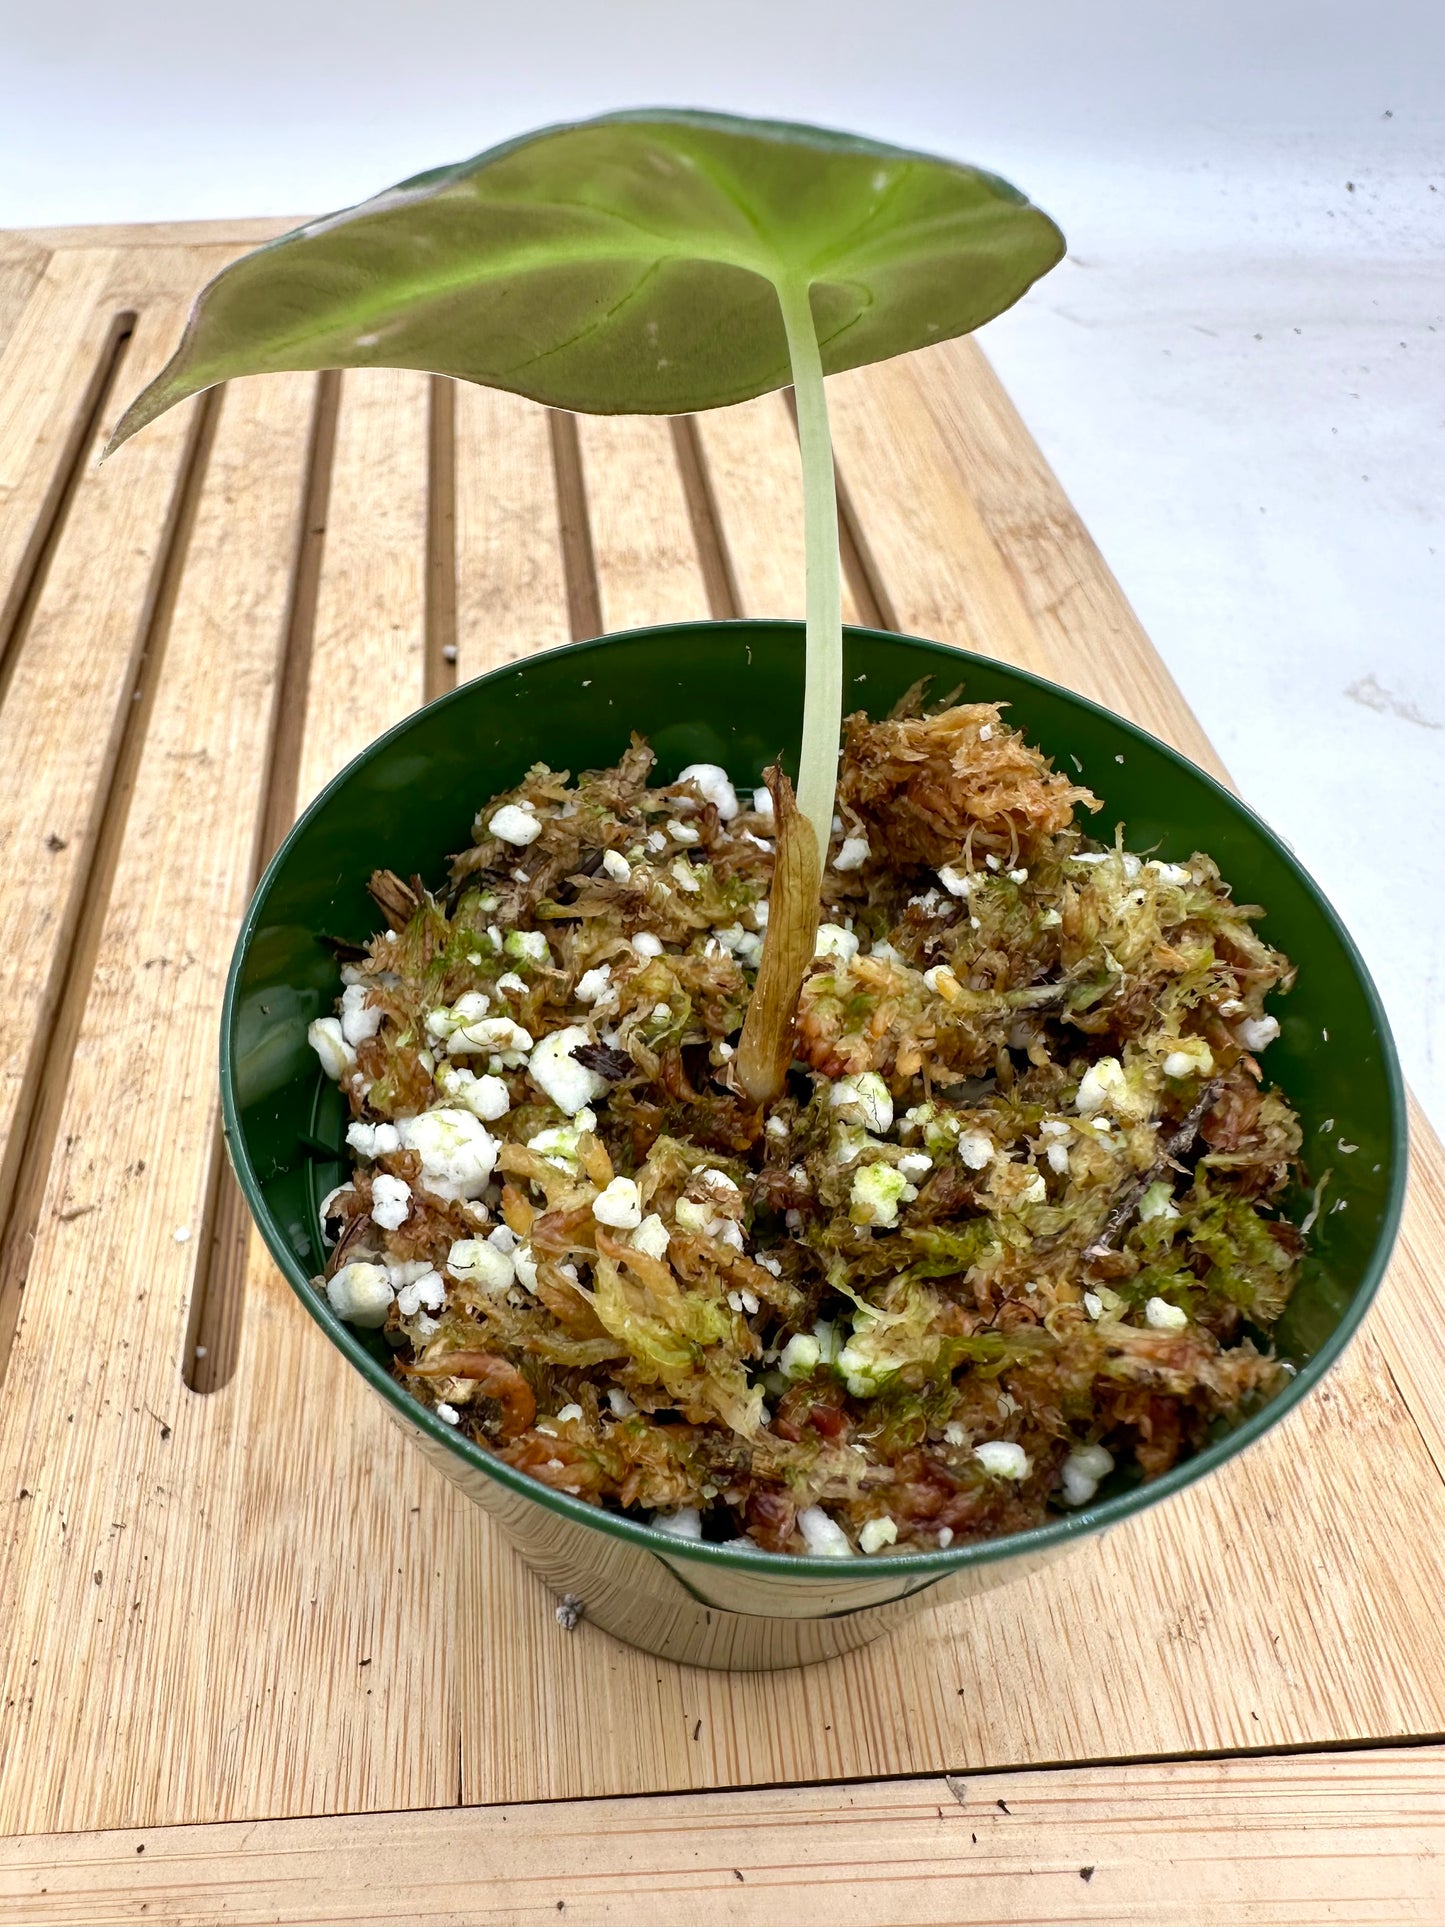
[(731, 693)]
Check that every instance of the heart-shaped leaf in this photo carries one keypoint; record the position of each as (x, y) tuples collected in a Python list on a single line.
[(632, 264)]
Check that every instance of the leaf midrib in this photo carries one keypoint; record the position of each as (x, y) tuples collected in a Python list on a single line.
[(537, 258)]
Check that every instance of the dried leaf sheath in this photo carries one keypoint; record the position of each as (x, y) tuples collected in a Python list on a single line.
[(766, 1048)]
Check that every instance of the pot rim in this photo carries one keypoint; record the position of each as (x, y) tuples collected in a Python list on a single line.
[(1057, 1532)]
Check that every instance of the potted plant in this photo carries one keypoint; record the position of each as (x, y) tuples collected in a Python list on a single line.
[(661, 262)]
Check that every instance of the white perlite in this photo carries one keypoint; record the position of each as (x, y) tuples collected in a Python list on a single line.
[(336, 1055), (593, 983), (526, 1267), (1003, 1459), (1083, 1469), (514, 823), (976, 1149), (477, 1261), (487, 1036), (390, 1202), (869, 1096), (359, 1020), (424, 1292), (1255, 1032), (1165, 1317), (957, 882), (373, 1140), (800, 1357), (361, 1294), (619, 1205), (651, 1237), (824, 1537), (712, 781), (685, 1523), (1189, 1056), (528, 946), (876, 1534), (486, 1097), (877, 1191), (556, 1071), (1102, 1084), (834, 941), (456, 1149)]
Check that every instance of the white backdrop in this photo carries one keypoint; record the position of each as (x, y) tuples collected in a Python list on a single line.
[(1238, 373)]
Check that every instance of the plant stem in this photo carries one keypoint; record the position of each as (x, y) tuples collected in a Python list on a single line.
[(765, 1049), (823, 673)]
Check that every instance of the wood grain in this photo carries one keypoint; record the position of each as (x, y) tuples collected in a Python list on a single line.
[(1409, 1319), (69, 684), (293, 1615), (368, 657), (112, 1451), (946, 577), (642, 540), (49, 367), (21, 265), (1350, 1838), (511, 595), (978, 544), (53, 346), (752, 455), (235, 236)]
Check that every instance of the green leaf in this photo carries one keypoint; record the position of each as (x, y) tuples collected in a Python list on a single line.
[(633, 264)]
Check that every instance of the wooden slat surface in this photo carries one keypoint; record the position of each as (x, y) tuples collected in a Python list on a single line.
[(752, 456), (511, 583), (642, 538), (368, 657), (22, 263), (256, 1601), (1345, 1838), (72, 677)]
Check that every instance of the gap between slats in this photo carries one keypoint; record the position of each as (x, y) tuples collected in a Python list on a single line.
[(718, 575), (441, 538), (38, 1113), (50, 522), (218, 1294), (715, 564), (579, 563), (860, 570), (219, 1287)]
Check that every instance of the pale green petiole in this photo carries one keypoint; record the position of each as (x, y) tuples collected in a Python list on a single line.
[(823, 675)]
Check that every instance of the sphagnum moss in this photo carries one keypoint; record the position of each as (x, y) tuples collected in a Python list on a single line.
[(1014, 1221)]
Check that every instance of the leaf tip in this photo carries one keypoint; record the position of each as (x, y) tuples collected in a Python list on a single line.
[(140, 412), (153, 400)]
